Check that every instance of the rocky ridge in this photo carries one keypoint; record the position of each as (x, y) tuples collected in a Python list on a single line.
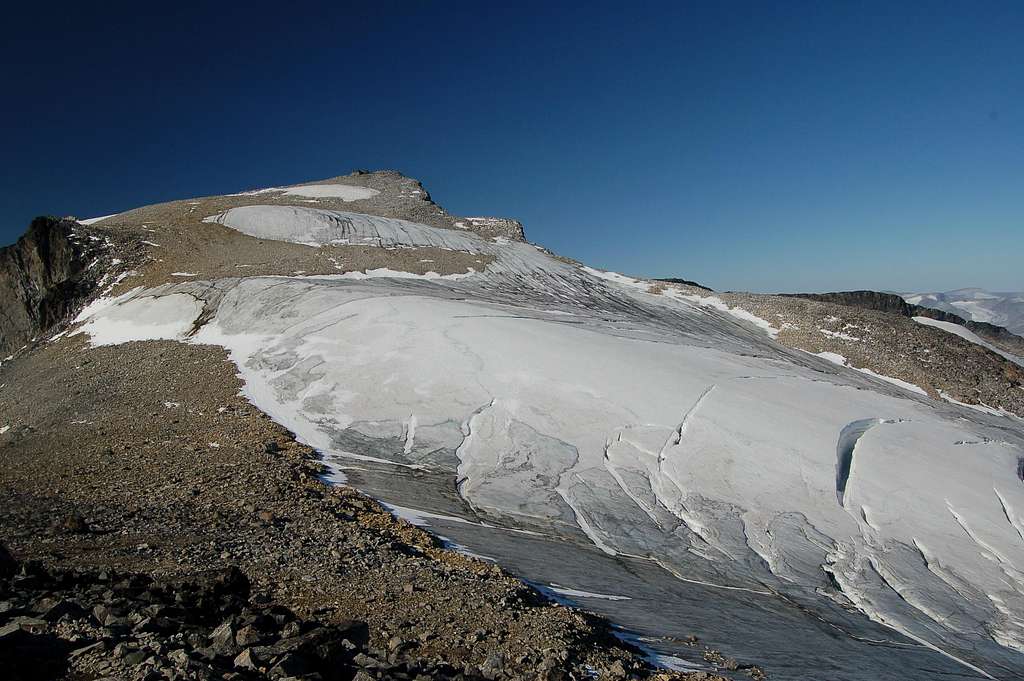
[(894, 304), (893, 345)]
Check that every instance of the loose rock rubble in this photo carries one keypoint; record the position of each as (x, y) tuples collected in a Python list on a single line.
[(58, 623)]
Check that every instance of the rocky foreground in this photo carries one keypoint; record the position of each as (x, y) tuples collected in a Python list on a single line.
[(63, 623)]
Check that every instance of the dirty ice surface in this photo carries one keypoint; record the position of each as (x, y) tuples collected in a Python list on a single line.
[(801, 515)]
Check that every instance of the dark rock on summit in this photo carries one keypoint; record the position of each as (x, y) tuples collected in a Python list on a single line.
[(44, 278), (685, 282)]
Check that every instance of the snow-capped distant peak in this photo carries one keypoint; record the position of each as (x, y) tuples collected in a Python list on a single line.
[(1004, 309)]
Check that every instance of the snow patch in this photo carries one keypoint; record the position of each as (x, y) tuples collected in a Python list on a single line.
[(344, 192), (168, 317), (839, 334), (93, 221)]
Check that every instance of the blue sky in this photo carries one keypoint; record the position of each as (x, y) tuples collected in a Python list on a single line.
[(761, 146)]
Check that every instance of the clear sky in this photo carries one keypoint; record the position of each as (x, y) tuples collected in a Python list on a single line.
[(761, 146)]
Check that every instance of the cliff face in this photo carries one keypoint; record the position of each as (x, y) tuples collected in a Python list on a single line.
[(44, 277), (887, 302), (868, 300)]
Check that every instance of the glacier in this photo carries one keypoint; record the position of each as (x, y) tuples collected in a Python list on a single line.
[(601, 435)]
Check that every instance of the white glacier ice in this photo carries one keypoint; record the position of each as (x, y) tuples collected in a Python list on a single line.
[(627, 428)]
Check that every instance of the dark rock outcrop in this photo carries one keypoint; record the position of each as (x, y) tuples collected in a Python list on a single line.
[(506, 227), (893, 304), (686, 282), (45, 277)]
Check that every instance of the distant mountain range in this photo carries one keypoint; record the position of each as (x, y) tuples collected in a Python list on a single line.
[(975, 304)]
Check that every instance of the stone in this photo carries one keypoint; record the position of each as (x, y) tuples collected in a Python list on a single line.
[(64, 608), (616, 670), (135, 658), (99, 646), (101, 614), (247, 660), (223, 635), (493, 666), (290, 664), (33, 625), (208, 653), (179, 657), (364, 660), (10, 632), (73, 523), (248, 636), (146, 625), (8, 566)]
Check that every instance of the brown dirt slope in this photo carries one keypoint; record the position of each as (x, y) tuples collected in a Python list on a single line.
[(177, 242)]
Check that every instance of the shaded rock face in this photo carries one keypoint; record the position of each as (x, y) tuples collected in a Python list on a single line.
[(888, 302), (869, 300), (44, 277), (685, 282)]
